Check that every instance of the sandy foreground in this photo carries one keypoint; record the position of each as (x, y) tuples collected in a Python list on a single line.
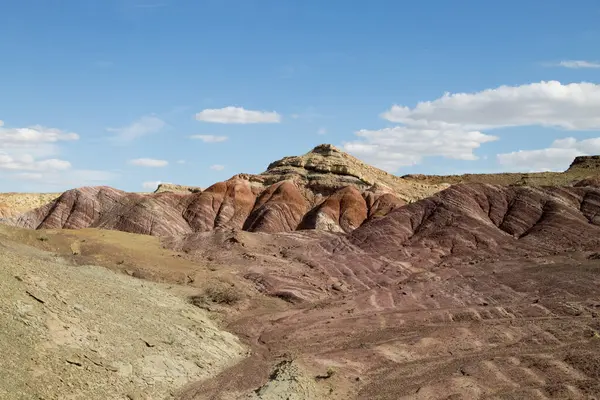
[(85, 332)]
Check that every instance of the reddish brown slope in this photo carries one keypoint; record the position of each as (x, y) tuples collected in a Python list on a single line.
[(485, 219), (465, 285), (223, 205), (226, 205), (343, 211), (381, 203), (74, 209), (157, 214), (279, 208)]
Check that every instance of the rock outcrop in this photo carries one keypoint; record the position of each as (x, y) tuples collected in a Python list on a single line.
[(326, 169), (171, 187)]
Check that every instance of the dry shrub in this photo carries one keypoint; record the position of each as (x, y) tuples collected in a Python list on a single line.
[(218, 293)]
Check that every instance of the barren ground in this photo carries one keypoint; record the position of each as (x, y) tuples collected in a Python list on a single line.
[(71, 331), (508, 329)]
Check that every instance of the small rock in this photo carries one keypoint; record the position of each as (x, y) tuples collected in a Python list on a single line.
[(35, 297), (74, 361), (135, 395)]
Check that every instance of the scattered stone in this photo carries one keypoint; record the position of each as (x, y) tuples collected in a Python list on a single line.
[(74, 361), (35, 297)]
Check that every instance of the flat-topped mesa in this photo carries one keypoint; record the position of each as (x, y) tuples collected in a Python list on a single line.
[(585, 162)]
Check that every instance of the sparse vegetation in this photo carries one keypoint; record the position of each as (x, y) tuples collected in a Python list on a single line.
[(219, 293), (328, 374)]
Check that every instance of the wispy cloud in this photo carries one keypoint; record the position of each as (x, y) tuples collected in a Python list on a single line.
[(238, 115), (310, 114), (149, 162), (322, 131), (578, 64), (143, 126), (153, 185), (209, 138), (217, 167)]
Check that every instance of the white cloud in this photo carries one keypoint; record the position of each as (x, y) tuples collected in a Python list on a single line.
[(62, 180), (322, 131), (146, 125), (28, 149), (573, 107), (180, 161), (34, 134), (148, 162), (29, 154), (217, 167), (238, 115), (152, 185), (557, 157), (576, 64), (451, 126), (29, 176), (392, 148), (209, 138)]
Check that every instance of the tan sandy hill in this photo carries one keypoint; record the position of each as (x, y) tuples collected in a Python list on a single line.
[(103, 335), (15, 203), (582, 168)]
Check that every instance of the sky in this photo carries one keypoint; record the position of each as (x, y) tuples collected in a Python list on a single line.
[(129, 93)]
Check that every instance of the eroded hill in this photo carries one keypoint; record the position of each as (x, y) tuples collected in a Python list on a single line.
[(342, 290), (324, 189)]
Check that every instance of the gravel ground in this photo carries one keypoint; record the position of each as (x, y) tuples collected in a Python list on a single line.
[(84, 332)]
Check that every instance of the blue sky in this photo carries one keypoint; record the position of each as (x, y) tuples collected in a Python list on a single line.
[(111, 91)]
